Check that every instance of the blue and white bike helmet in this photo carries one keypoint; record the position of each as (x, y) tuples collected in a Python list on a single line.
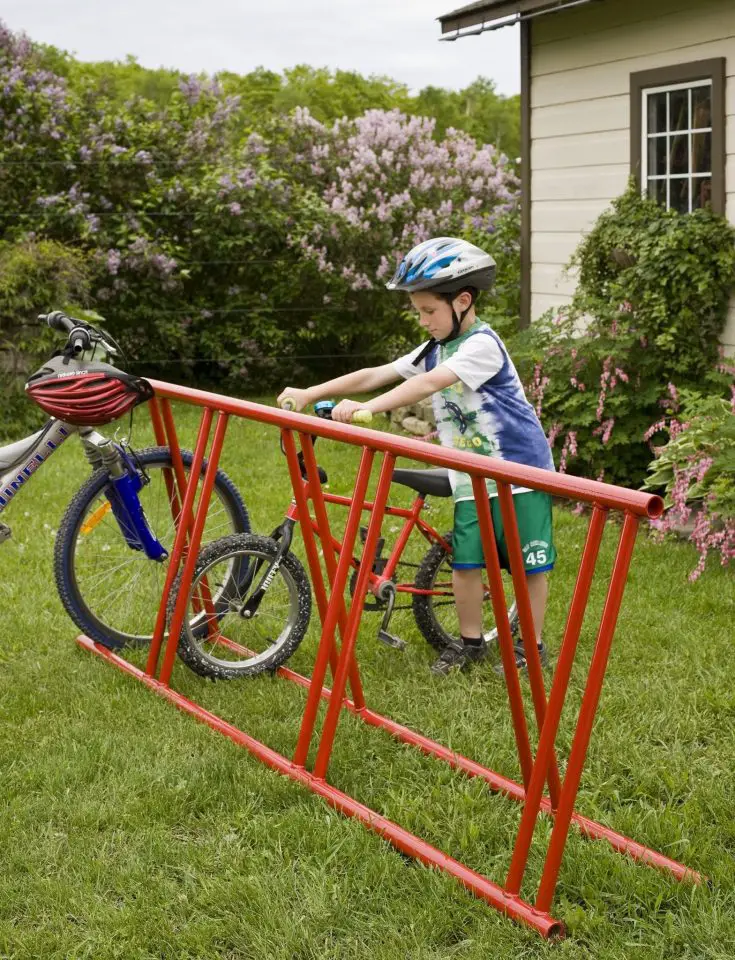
[(445, 265)]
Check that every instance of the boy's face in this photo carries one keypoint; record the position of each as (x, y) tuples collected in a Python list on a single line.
[(435, 314)]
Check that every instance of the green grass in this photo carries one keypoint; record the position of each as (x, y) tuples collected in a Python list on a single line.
[(129, 830)]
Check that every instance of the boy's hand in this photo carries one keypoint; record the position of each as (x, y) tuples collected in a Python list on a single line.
[(344, 410), (300, 397)]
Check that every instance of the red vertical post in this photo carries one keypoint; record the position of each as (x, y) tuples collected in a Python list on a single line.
[(187, 574), (557, 697), (155, 413), (505, 638), (336, 603), (180, 540), (588, 709), (330, 553), (307, 531), (528, 630), (168, 474), (358, 600), (175, 448)]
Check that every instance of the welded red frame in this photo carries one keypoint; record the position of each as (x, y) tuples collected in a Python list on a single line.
[(538, 771), (414, 521)]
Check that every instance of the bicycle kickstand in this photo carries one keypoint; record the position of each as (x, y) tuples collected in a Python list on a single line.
[(387, 592)]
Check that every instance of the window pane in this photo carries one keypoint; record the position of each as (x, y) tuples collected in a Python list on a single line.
[(701, 107), (657, 191), (680, 195), (657, 113), (679, 154), (702, 153), (657, 156), (701, 192), (679, 117)]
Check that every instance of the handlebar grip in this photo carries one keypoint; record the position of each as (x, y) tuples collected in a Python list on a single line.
[(288, 403), (58, 321), (362, 416)]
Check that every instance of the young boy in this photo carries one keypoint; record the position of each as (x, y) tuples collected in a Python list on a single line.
[(479, 405)]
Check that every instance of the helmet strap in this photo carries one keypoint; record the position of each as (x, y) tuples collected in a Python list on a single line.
[(457, 321)]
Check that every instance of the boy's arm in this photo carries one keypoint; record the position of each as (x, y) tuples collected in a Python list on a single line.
[(361, 381), (411, 391)]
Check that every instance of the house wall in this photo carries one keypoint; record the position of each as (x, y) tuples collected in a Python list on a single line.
[(581, 62)]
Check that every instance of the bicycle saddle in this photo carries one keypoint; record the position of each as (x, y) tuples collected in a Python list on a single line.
[(16, 452), (434, 483)]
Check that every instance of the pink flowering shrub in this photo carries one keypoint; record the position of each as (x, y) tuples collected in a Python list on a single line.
[(696, 470), (643, 326)]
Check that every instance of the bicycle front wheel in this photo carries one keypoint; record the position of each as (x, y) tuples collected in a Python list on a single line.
[(233, 642), (109, 590), (435, 612)]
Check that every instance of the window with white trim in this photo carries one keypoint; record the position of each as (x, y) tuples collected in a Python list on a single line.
[(676, 148)]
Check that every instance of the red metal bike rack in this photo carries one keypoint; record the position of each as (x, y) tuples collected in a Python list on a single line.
[(538, 771)]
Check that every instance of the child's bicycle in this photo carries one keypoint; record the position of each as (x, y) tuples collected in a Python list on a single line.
[(258, 623), (113, 541)]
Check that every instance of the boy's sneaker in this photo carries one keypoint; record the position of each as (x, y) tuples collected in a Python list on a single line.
[(457, 656), (520, 656)]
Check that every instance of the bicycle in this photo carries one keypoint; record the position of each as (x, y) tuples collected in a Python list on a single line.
[(113, 541), (259, 625)]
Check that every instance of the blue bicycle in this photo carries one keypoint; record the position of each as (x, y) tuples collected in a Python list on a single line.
[(114, 540)]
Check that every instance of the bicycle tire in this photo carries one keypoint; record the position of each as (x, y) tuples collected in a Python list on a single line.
[(423, 607), (192, 641), (66, 561)]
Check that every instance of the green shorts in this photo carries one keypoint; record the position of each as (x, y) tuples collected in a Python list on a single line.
[(533, 511)]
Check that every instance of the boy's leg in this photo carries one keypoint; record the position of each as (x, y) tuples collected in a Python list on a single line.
[(533, 514), (468, 564), (538, 592), (468, 596)]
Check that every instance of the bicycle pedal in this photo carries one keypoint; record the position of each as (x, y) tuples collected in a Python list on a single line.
[(391, 640)]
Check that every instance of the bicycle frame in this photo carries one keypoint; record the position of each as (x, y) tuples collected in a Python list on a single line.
[(47, 441), (122, 490), (413, 520)]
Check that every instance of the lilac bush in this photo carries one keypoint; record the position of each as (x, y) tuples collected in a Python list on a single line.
[(232, 255), (377, 186)]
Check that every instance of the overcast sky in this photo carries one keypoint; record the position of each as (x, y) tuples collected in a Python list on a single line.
[(398, 38)]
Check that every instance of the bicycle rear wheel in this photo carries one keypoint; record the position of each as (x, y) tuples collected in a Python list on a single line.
[(109, 590), (436, 614)]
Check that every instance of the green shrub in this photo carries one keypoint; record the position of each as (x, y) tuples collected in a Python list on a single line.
[(35, 277), (645, 322)]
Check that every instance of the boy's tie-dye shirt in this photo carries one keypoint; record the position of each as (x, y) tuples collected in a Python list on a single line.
[(486, 410)]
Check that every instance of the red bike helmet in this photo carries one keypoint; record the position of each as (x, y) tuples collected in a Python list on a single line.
[(86, 394)]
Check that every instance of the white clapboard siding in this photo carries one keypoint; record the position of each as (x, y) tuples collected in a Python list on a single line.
[(554, 248), (584, 183), (582, 150), (566, 216), (551, 279), (585, 116), (659, 34), (728, 337), (541, 302), (613, 79)]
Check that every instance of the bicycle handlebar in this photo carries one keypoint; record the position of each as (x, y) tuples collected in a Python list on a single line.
[(364, 417), (58, 321)]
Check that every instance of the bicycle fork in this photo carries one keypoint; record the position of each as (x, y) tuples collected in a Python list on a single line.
[(125, 483), (283, 535)]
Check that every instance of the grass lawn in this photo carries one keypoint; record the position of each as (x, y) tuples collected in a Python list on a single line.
[(130, 831)]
